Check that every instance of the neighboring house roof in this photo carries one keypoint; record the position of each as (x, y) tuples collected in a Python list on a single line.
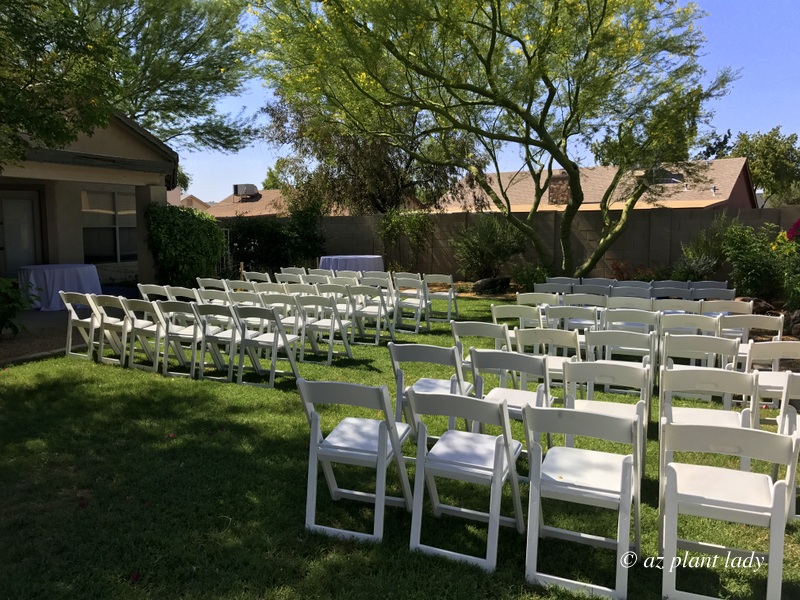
[(193, 201), (725, 181), (265, 203)]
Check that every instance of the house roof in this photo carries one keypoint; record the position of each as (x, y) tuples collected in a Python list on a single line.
[(713, 188), (266, 203), (194, 202)]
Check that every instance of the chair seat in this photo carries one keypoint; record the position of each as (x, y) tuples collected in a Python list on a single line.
[(516, 399), (360, 436), (593, 471), (472, 454), (269, 338), (438, 386), (727, 488), (706, 416), (326, 324)]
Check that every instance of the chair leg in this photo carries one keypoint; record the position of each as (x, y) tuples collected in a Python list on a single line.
[(419, 491), (670, 532), (311, 492)]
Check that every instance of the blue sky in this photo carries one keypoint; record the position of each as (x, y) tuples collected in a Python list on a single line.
[(758, 38)]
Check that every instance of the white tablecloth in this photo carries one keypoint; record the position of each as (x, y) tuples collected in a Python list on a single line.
[(352, 262), (46, 280)]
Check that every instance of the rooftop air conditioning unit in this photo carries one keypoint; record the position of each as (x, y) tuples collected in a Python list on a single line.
[(245, 189)]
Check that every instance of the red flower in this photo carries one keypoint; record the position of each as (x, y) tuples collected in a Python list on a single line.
[(793, 233)]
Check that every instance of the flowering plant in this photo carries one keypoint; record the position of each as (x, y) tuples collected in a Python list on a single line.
[(793, 233)]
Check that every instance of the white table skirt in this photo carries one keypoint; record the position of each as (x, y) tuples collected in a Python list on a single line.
[(352, 262), (47, 280)]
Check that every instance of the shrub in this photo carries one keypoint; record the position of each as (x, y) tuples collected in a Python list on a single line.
[(186, 243), (695, 267), (483, 248), (12, 301), (623, 271), (525, 275), (416, 226), (758, 259)]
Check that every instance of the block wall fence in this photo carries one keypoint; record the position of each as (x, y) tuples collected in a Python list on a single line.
[(653, 237)]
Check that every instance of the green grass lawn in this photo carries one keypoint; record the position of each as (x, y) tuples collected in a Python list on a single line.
[(122, 483)]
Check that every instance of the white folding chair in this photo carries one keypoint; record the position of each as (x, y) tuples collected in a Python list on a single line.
[(113, 327), (360, 441), (210, 283), (585, 299), (404, 356), (698, 350), (552, 288), (468, 456), (603, 281), (266, 287), (766, 357), (727, 307), (180, 334), (603, 291), (713, 294), (521, 316), (85, 325), (449, 294), (691, 324), (214, 296), (675, 293), (565, 280), (630, 292), (739, 326), (256, 276), (153, 292), (670, 283), (293, 270), (301, 289), (181, 294), (325, 320), (315, 279), (538, 299), (341, 298), (497, 334), (267, 335), (618, 345), (677, 305), (288, 277), (629, 283), (237, 285), (369, 305), (218, 336), (412, 295), (580, 476), (292, 318), (714, 492), (324, 272), (631, 319), (560, 346), (145, 325), (349, 273), (629, 302)]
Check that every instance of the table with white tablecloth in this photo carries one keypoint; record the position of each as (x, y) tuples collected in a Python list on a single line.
[(352, 262), (43, 282)]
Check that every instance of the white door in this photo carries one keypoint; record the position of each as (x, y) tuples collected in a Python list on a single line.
[(18, 240)]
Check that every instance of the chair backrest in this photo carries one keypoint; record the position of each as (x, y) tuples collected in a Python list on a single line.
[(538, 420), (591, 288), (383, 274), (629, 283), (151, 291), (620, 375), (604, 281), (104, 306), (668, 305), (552, 288), (631, 319), (268, 287), (406, 275), (548, 341), (384, 282), (630, 302), (409, 286), (670, 283), (323, 272), (630, 292), (314, 279), (703, 381), (341, 280), (245, 298), (185, 294), (376, 398), (604, 344), (740, 325), (323, 306), (289, 277), (582, 299), (523, 315), (480, 329), (432, 355), (713, 294), (538, 298), (210, 283), (70, 299), (438, 279), (212, 296), (348, 273), (257, 319), (237, 285), (679, 293), (771, 352), (214, 315), (284, 305), (140, 310), (300, 289), (500, 361), (688, 323), (707, 348), (572, 317), (706, 284), (174, 312), (567, 280), (734, 307), (254, 276), (333, 290), (462, 407), (293, 271)]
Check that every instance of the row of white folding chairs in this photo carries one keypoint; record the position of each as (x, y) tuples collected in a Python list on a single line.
[(564, 473), (185, 331), (630, 291), (657, 283), (709, 306)]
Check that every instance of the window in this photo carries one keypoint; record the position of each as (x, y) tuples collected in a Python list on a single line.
[(109, 227)]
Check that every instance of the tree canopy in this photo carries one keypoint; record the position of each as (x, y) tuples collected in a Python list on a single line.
[(774, 160), (547, 77)]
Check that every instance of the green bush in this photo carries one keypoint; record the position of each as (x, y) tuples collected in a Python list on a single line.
[(483, 248), (525, 275), (12, 301), (416, 226), (758, 259), (186, 243)]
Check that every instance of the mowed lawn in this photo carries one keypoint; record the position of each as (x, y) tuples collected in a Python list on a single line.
[(117, 483)]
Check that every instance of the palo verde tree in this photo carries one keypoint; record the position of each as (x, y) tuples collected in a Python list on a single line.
[(546, 77)]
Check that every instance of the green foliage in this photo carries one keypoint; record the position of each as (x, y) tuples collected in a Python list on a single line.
[(758, 259), (54, 76), (774, 161), (414, 225), (526, 274), (695, 268), (12, 301), (186, 243), (623, 271), (702, 257), (483, 248)]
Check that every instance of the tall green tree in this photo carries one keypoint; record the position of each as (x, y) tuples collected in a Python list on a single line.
[(54, 81), (774, 160), (544, 76)]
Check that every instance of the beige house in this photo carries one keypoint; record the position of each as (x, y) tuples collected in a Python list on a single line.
[(86, 202), (175, 198), (724, 182)]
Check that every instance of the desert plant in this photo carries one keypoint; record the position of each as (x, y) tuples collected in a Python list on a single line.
[(483, 248), (186, 243), (526, 274), (758, 259)]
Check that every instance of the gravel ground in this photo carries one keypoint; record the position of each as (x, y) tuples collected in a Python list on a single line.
[(41, 334)]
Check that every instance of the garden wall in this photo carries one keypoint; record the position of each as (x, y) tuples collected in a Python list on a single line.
[(653, 237)]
